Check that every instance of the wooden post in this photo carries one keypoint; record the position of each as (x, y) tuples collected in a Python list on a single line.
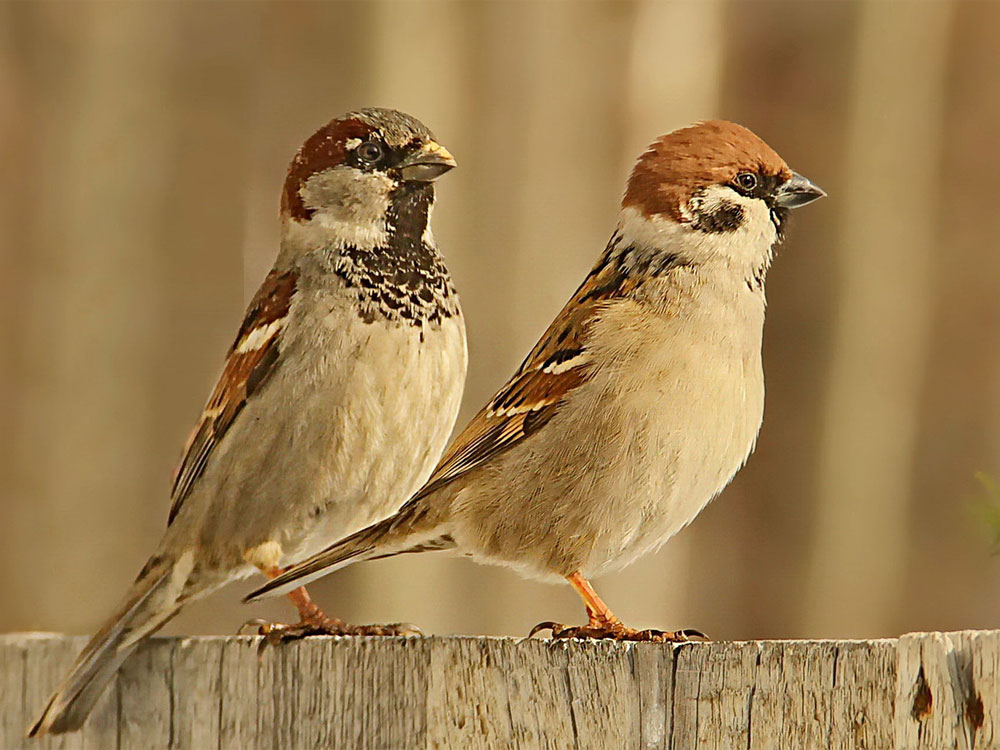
[(924, 690)]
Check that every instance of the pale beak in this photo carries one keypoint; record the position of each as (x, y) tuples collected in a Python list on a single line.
[(427, 163), (797, 191)]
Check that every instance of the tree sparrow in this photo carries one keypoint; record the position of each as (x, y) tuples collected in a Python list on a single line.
[(336, 399), (639, 403)]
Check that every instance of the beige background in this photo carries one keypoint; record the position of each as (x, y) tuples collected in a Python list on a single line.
[(142, 149)]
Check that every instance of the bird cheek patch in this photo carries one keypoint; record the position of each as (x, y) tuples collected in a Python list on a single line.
[(348, 195)]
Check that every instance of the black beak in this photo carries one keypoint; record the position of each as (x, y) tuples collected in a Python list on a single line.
[(797, 191), (427, 163)]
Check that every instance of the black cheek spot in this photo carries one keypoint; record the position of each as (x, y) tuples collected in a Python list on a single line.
[(727, 217)]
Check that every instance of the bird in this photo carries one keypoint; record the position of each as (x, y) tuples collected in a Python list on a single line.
[(336, 400), (639, 403)]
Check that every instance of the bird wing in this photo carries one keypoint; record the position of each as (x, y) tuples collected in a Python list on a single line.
[(251, 360), (558, 364)]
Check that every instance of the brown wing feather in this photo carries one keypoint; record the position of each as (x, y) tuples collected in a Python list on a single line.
[(556, 365), (251, 360)]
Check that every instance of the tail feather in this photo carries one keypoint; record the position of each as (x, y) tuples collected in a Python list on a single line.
[(410, 530), (153, 600)]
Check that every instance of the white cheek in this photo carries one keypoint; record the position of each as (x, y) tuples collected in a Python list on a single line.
[(758, 228), (350, 204), (346, 193), (751, 242)]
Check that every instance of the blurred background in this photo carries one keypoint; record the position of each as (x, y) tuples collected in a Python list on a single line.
[(143, 147)]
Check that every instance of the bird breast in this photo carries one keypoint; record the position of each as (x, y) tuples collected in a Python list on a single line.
[(676, 410), (392, 397)]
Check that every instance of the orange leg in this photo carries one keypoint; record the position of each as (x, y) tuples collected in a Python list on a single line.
[(597, 611), (313, 621), (603, 623), (309, 612)]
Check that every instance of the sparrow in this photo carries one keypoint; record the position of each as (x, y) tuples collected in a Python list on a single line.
[(640, 402), (336, 399)]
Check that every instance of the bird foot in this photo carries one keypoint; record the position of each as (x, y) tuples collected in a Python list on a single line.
[(276, 633), (406, 629), (617, 631)]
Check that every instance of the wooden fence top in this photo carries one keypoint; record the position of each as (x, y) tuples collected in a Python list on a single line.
[(924, 690)]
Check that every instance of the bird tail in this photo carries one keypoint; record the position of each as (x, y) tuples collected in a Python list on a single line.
[(154, 599), (410, 530)]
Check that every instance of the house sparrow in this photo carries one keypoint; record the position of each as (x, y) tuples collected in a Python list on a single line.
[(336, 399), (639, 403)]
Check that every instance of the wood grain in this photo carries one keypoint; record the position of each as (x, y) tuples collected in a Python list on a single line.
[(926, 690)]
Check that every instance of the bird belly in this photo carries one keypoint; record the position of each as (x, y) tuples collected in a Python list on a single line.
[(677, 437)]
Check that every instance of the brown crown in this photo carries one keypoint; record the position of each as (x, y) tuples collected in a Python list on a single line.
[(678, 164), (326, 148)]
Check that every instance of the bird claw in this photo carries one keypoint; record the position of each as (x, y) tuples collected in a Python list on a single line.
[(276, 633), (693, 635), (617, 631), (404, 629), (555, 627), (256, 623)]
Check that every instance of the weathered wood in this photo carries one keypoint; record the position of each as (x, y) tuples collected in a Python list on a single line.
[(926, 690)]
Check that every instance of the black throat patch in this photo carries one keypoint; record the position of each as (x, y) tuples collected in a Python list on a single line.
[(406, 280)]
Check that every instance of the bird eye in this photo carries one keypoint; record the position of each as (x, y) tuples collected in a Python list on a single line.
[(746, 181), (371, 152)]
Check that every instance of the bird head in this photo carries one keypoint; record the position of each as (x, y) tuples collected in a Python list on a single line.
[(714, 191), (362, 177)]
